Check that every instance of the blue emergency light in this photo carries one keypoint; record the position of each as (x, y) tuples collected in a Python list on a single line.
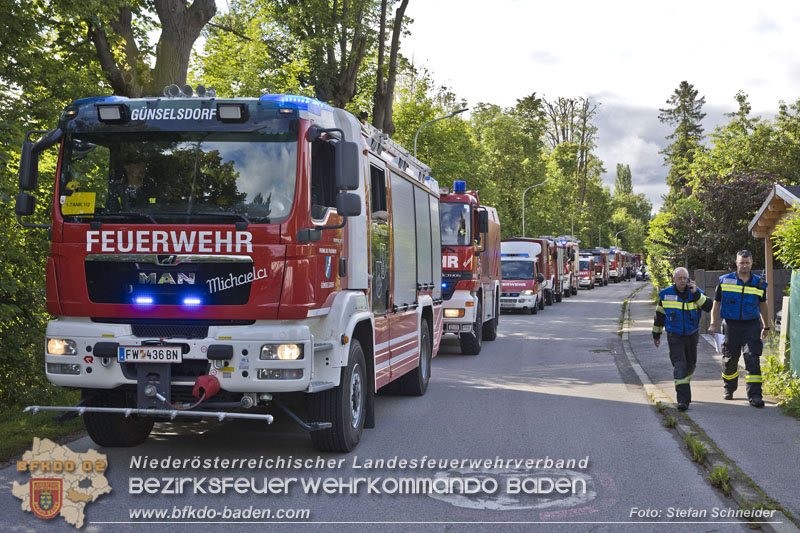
[(459, 187)]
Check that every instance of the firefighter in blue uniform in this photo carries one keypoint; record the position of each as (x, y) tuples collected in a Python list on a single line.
[(741, 301), (679, 308)]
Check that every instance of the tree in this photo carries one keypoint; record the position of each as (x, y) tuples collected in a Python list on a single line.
[(623, 184), (685, 114), (114, 33), (385, 80)]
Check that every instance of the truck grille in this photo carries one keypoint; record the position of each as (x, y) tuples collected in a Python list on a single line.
[(169, 331)]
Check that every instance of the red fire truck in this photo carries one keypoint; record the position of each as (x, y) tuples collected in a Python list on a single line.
[(601, 262), (522, 275), (471, 272), (616, 268), (569, 280), (235, 248), (586, 265)]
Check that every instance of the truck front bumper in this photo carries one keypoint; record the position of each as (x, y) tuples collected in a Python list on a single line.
[(96, 365), (521, 302), (457, 303)]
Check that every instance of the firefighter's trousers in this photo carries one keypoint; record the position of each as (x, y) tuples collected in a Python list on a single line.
[(742, 336), (683, 355)]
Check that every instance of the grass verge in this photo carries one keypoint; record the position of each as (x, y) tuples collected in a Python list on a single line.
[(780, 383), (19, 429)]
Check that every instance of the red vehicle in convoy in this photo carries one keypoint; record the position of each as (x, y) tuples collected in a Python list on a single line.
[(616, 267), (522, 275), (601, 264), (471, 271), (586, 271), (237, 248)]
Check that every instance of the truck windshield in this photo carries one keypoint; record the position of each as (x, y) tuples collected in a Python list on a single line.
[(517, 269), (584, 265), (164, 177), (598, 259), (456, 225)]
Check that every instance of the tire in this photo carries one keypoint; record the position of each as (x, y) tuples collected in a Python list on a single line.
[(535, 309), (574, 291), (490, 327), (548, 297), (567, 293), (540, 300), (415, 383), (115, 430), (605, 282), (345, 406), (471, 342), (559, 296)]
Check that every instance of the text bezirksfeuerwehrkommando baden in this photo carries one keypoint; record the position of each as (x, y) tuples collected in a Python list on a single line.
[(145, 462)]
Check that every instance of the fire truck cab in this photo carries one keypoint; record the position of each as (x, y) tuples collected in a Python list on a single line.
[(522, 276), (237, 248), (586, 270), (471, 272)]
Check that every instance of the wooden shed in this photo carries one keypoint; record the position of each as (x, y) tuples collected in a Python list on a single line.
[(780, 201)]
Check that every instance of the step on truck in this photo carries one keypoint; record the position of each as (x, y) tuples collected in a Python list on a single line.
[(522, 276), (470, 267), (210, 256)]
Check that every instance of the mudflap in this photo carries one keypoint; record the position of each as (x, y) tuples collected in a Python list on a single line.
[(158, 375)]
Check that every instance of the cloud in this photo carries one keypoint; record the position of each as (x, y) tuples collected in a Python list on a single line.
[(764, 24), (544, 57)]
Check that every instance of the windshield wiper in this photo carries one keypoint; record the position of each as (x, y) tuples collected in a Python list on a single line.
[(125, 214), (240, 216)]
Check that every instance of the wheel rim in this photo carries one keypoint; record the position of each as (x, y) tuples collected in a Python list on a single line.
[(356, 394)]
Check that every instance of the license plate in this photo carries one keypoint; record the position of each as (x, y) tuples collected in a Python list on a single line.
[(149, 354)]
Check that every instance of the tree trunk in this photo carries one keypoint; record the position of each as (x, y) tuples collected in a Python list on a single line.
[(379, 99), (180, 28), (388, 123)]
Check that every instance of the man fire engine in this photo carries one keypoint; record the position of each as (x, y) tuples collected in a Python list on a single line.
[(470, 267), (235, 248)]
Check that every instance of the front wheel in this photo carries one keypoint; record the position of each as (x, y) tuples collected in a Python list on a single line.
[(540, 300), (548, 297), (471, 342), (490, 327), (343, 406), (115, 429)]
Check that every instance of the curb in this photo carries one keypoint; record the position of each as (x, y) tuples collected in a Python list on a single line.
[(743, 490)]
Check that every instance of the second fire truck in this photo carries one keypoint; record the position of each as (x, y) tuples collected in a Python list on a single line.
[(471, 272)]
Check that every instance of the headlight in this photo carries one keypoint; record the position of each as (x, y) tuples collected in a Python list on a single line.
[(453, 313), (285, 352), (528, 292), (62, 347)]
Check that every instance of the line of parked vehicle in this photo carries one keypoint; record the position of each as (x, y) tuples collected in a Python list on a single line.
[(539, 272)]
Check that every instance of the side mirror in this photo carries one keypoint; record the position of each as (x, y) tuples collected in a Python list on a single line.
[(348, 204), (25, 205), (29, 161), (28, 168), (346, 165), (540, 277), (483, 221)]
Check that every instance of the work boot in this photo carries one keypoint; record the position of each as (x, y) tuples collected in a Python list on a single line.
[(728, 395), (682, 406), (756, 401)]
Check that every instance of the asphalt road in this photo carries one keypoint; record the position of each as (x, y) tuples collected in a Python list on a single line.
[(554, 386)]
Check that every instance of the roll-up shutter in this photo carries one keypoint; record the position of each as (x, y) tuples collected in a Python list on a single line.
[(404, 241)]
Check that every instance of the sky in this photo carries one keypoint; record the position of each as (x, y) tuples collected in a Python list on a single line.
[(627, 56)]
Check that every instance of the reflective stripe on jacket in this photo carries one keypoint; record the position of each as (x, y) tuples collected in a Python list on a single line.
[(681, 314), (740, 300)]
